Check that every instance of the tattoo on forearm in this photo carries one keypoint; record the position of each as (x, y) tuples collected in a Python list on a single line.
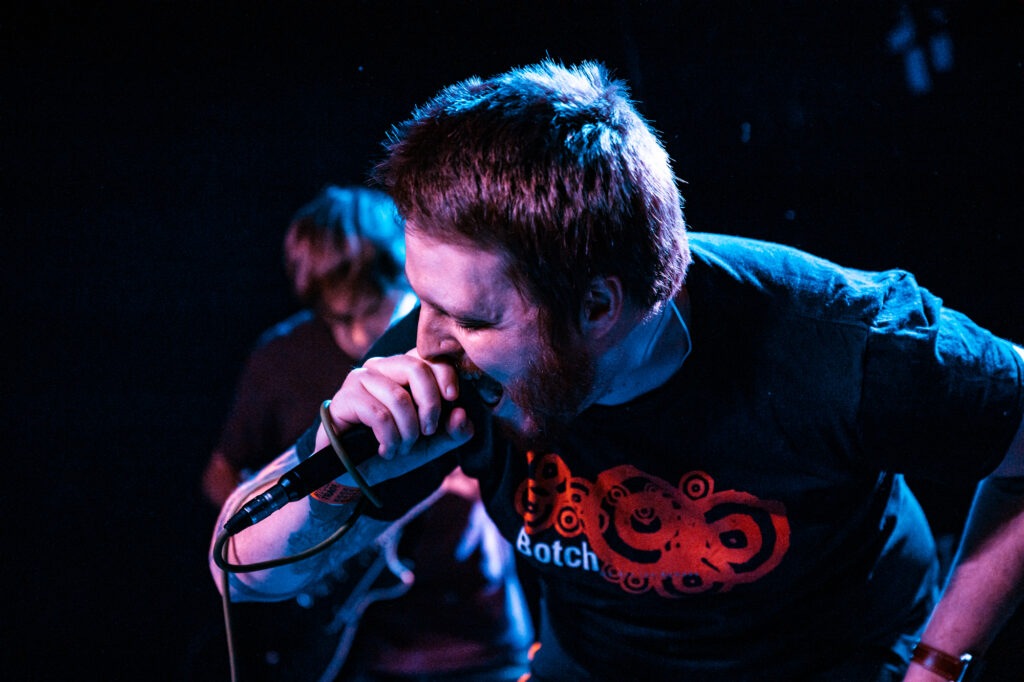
[(329, 565)]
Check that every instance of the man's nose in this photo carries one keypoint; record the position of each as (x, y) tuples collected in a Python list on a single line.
[(361, 336), (434, 340)]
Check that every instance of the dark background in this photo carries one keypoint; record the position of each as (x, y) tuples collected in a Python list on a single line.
[(154, 151)]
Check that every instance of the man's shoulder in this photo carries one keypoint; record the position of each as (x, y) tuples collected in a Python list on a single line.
[(748, 253), (790, 280), (299, 324), (301, 335)]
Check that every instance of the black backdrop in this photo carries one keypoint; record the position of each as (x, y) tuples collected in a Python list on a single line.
[(153, 152)]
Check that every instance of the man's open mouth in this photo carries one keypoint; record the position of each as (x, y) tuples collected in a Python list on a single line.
[(489, 390)]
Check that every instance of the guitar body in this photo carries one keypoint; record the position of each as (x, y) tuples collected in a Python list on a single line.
[(280, 640), (309, 638), (459, 562)]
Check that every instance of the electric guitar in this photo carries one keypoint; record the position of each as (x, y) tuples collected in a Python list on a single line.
[(309, 638)]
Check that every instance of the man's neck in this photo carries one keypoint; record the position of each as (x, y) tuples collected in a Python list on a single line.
[(649, 354)]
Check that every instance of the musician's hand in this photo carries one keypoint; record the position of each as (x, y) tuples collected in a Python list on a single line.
[(400, 398), (220, 479)]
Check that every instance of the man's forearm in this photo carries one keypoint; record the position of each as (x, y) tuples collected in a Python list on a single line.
[(293, 528), (987, 581)]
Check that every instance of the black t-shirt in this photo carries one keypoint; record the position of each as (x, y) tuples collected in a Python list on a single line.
[(748, 519)]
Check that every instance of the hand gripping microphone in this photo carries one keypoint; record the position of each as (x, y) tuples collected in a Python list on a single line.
[(358, 443)]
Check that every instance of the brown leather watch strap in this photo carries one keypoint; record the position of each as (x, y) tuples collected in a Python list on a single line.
[(950, 667)]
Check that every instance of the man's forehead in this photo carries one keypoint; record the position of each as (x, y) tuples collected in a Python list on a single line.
[(344, 300), (424, 254), (457, 278)]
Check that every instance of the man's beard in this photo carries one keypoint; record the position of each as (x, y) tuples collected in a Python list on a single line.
[(557, 385)]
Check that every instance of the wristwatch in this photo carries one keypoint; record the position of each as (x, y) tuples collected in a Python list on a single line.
[(950, 667)]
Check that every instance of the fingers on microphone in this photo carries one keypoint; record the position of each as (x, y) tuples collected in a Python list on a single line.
[(428, 383), (426, 392), (445, 376), (459, 425)]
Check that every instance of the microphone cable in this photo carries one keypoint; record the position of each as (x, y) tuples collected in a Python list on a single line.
[(227, 568), (220, 545)]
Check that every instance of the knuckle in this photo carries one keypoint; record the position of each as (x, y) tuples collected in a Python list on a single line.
[(369, 364), (357, 375), (379, 413), (401, 397)]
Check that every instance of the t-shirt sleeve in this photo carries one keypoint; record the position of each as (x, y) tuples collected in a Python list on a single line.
[(942, 397)]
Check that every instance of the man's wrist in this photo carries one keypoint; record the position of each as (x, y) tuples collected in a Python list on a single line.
[(948, 666)]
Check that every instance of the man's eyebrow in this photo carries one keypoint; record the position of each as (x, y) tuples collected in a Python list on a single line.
[(464, 316), (436, 307)]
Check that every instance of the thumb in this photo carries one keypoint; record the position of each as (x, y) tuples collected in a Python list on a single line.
[(458, 431)]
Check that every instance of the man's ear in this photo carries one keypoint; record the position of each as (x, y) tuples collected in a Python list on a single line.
[(602, 306)]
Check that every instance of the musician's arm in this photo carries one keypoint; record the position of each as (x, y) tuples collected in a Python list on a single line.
[(400, 399), (987, 581), (302, 524), (293, 528)]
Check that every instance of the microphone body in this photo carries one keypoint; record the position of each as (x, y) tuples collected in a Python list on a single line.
[(320, 468)]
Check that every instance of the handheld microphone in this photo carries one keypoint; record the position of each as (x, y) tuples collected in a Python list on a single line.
[(324, 465), (320, 468)]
